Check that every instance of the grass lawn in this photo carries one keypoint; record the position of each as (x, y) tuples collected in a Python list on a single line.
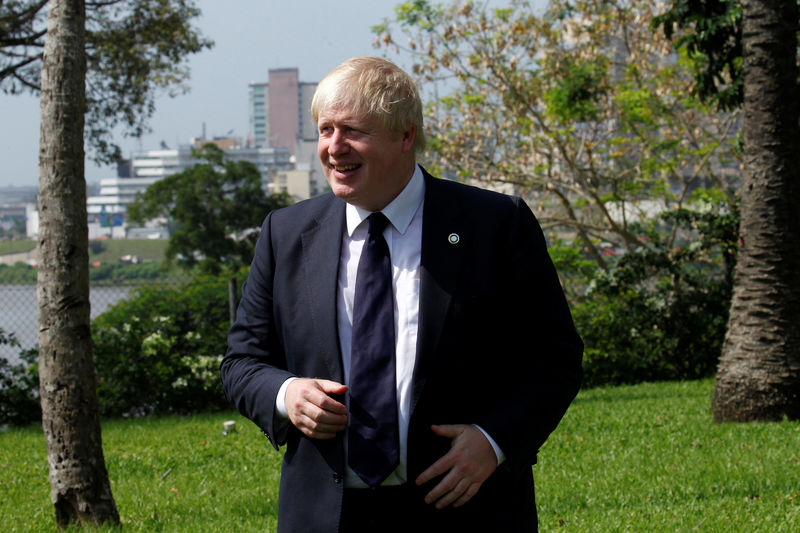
[(640, 458), (112, 249), (146, 249), (15, 247)]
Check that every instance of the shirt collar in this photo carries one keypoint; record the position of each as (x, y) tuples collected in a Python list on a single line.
[(400, 211)]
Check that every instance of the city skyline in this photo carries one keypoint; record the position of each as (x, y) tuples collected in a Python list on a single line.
[(254, 37)]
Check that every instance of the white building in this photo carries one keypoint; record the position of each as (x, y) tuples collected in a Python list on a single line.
[(107, 210)]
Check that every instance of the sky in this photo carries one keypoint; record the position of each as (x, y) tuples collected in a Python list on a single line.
[(251, 37)]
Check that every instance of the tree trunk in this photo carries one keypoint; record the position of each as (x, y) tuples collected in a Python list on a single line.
[(759, 371), (79, 486)]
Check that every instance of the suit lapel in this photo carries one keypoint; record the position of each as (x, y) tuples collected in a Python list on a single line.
[(321, 250), (445, 238)]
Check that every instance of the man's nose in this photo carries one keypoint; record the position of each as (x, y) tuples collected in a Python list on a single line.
[(338, 143)]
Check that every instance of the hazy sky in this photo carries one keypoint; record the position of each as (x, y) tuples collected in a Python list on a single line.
[(251, 37)]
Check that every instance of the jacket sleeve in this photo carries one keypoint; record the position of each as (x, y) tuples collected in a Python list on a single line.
[(540, 337), (254, 366)]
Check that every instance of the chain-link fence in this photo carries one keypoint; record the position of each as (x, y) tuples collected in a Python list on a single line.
[(19, 310)]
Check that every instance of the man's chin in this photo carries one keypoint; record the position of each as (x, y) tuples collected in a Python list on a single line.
[(345, 192)]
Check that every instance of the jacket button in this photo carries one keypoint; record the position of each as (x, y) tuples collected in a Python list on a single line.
[(337, 477)]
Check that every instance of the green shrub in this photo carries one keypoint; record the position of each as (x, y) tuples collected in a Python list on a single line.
[(19, 386), (160, 350), (645, 321), (97, 246), (658, 312), (121, 274), (17, 274)]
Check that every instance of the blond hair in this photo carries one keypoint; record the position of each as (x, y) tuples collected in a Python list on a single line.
[(373, 87)]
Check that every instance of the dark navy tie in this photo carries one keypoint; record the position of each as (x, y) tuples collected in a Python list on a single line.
[(373, 441)]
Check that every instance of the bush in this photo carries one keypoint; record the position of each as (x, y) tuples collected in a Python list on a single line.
[(17, 274), (658, 312), (654, 323), (159, 351), (19, 386), (97, 247), (121, 274)]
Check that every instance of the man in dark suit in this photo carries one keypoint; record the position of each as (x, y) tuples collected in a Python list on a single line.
[(485, 358)]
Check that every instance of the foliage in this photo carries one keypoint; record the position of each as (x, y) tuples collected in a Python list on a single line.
[(713, 38), (17, 274), (633, 458), (213, 210), (659, 313), (582, 110), (19, 386), (159, 351), (122, 274), (96, 247), (136, 49), (156, 352)]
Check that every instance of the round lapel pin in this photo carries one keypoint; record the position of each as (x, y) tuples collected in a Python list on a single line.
[(453, 238)]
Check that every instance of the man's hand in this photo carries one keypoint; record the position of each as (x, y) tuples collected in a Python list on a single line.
[(312, 410), (466, 466)]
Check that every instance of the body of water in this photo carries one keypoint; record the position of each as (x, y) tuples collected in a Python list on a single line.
[(19, 312)]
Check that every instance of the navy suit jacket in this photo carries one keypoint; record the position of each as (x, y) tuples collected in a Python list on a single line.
[(496, 347)]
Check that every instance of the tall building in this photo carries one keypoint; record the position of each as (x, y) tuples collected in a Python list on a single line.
[(280, 111), (257, 128)]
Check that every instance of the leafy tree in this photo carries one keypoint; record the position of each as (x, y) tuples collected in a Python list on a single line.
[(213, 210), (713, 39), (135, 49), (582, 110), (79, 485), (592, 118)]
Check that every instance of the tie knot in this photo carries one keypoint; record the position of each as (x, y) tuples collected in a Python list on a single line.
[(377, 223)]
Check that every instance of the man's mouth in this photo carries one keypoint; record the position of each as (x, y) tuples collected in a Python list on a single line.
[(345, 168)]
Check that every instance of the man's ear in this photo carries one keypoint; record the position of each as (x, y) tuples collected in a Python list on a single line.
[(408, 139)]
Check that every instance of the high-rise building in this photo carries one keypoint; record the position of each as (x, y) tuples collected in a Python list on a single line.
[(280, 111)]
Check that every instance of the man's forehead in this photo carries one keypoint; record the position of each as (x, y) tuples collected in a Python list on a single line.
[(344, 115)]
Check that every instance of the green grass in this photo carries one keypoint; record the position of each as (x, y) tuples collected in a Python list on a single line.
[(146, 249), (648, 458), (167, 474), (15, 247), (642, 458), (112, 249)]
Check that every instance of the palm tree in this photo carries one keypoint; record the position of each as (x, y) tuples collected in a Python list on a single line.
[(759, 370)]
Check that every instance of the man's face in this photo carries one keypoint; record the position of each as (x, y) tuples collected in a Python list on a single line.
[(365, 164)]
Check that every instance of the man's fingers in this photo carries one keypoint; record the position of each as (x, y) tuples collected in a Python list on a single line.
[(331, 387), (448, 431), (312, 410), (465, 467), (435, 470)]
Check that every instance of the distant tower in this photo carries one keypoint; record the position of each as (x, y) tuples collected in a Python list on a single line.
[(257, 136), (280, 111)]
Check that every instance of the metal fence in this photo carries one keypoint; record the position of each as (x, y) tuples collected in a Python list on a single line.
[(19, 312)]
